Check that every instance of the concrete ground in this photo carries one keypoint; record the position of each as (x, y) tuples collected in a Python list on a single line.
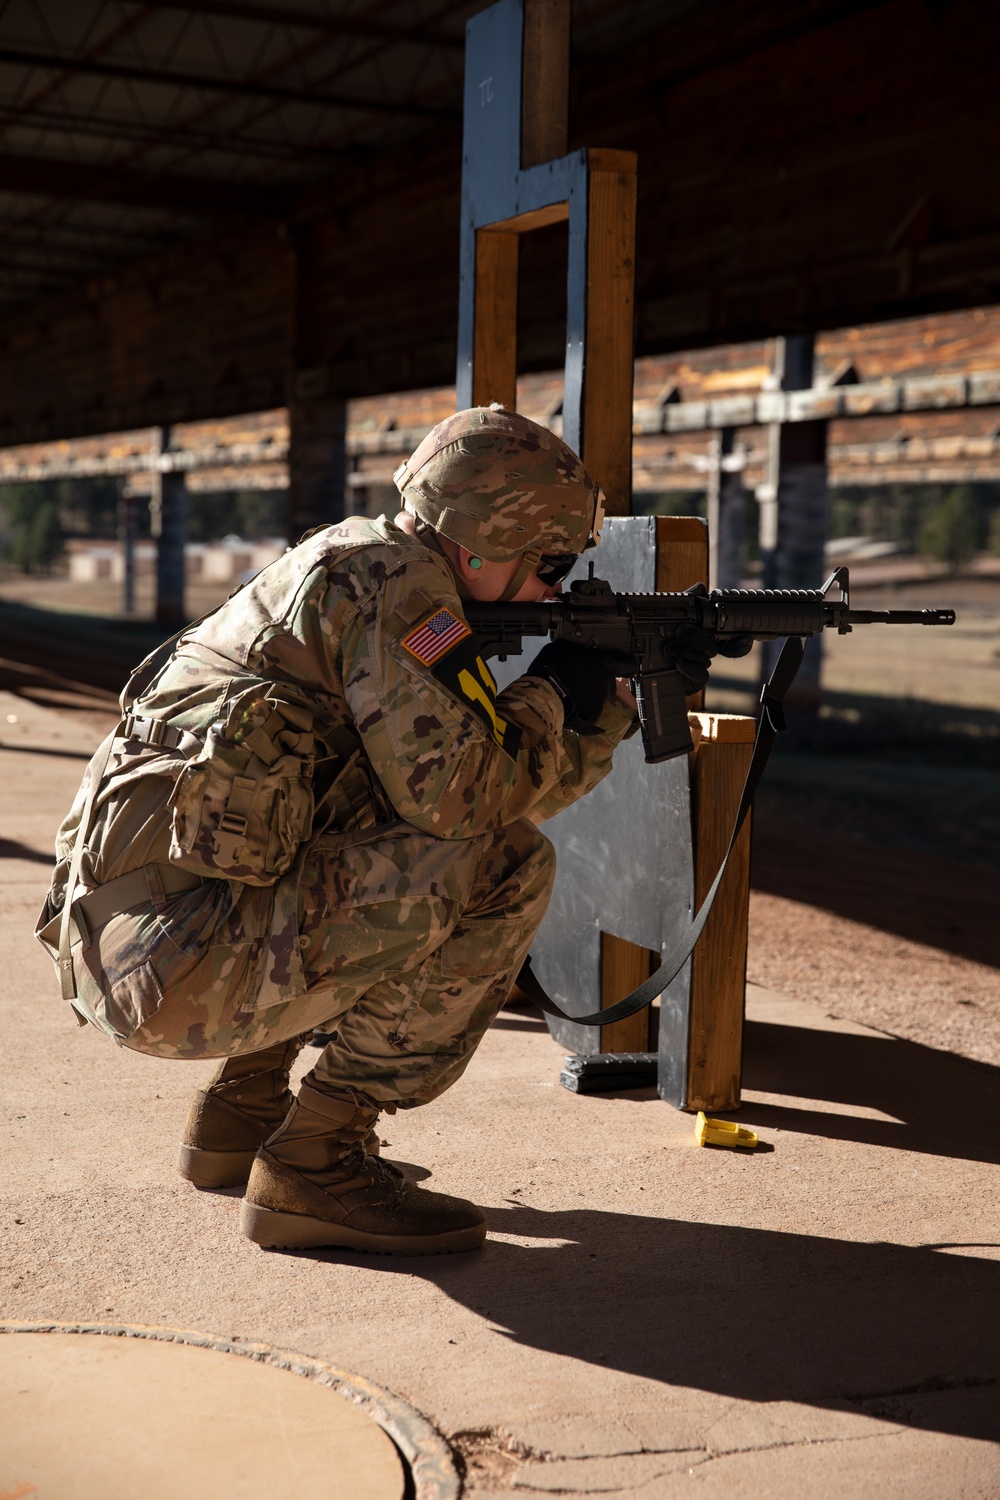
[(819, 1318)]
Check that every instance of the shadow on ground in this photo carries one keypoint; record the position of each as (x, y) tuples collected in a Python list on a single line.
[(905, 772), (868, 724), (942, 903), (15, 849), (938, 1104), (96, 650), (59, 753), (902, 1332)]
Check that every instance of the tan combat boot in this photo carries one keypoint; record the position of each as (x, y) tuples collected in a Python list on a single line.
[(233, 1115), (246, 1099), (313, 1183)]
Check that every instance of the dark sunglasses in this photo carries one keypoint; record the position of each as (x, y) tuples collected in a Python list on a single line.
[(553, 569)]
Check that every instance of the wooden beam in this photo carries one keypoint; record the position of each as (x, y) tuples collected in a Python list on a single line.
[(216, 83), (311, 20), (816, 233), (544, 81), (48, 177), (607, 409), (624, 966), (718, 966), (141, 343), (495, 358), (534, 218)]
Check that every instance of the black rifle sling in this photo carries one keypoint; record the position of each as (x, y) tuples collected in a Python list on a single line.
[(769, 726)]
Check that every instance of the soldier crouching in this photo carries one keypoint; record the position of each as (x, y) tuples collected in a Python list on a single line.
[(318, 812)]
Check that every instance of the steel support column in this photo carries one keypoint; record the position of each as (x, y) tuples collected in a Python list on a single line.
[(168, 513), (794, 509), (317, 462), (317, 418), (126, 535), (726, 512)]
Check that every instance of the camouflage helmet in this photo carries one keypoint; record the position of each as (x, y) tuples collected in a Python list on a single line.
[(502, 486)]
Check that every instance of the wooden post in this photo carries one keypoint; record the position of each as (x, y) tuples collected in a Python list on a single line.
[(495, 358), (624, 966), (610, 363), (545, 81), (713, 504), (705, 1073), (701, 1057), (730, 545), (682, 551), (719, 964)]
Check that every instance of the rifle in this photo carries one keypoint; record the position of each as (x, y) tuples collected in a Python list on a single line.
[(635, 630)]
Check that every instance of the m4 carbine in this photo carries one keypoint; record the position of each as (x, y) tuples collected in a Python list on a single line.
[(636, 631)]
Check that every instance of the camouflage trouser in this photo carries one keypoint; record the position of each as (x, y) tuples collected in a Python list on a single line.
[(410, 945)]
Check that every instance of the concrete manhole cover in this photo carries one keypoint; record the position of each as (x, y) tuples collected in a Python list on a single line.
[(160, 1413)]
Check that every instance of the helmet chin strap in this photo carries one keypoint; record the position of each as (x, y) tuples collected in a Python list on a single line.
[(529, 562)]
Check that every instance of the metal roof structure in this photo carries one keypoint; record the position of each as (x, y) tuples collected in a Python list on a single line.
[(127, 127)]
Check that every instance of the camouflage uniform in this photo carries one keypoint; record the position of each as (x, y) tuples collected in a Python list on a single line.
[(405, 912)]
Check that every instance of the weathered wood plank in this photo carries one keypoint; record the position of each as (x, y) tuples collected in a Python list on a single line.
[(718, 965), (624, 966), (495, 357), (607, 415), (545, 81)]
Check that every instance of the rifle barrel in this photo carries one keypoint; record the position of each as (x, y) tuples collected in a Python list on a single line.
[(901, 617)]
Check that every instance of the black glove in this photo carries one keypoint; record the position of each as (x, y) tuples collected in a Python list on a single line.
[(692, 648), (584, 680), (734, 645), (690, 651)]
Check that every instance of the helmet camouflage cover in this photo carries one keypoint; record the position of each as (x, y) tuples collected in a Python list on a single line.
[(501, 485)]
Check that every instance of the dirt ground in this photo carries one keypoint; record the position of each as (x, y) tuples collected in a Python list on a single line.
[(101, 597), (907, 944)]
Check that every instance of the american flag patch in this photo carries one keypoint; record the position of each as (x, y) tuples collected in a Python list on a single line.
[(436, 636)]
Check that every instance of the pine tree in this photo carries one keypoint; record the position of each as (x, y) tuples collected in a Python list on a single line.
[(952, 533), (34, 537)]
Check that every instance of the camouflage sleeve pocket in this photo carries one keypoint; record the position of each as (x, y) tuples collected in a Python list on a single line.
[(241, 809)]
